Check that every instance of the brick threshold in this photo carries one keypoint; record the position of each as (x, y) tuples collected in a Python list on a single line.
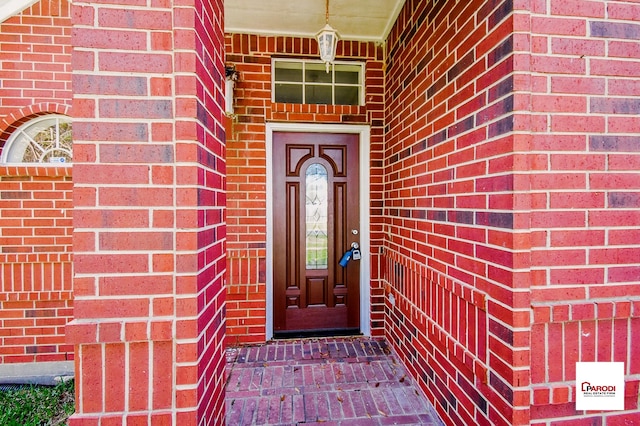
[(329, 381)]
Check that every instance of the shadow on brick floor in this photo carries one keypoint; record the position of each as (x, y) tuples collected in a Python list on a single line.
[(328, 381)]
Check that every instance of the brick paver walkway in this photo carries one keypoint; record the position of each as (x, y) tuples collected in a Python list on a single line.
[(332, 381)]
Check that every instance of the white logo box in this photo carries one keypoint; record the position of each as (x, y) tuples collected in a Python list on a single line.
[(600, 386)]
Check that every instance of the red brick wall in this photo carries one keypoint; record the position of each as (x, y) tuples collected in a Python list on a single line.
[(452, 252), (149, 233), (35, 202), (585, 199), (208, 202), (511, 186), (35, 276), (246, 165)]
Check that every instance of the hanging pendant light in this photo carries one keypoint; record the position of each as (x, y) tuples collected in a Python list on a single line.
[(327, 41)]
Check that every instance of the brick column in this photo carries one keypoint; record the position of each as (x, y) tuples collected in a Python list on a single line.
[(585, 202), (149, 233)]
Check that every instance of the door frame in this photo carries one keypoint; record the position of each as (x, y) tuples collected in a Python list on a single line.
[(364, 132)]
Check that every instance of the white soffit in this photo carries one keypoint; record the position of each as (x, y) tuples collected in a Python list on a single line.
[(369, 20), (8, 8)]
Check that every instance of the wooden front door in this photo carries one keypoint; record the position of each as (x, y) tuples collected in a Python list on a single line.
[(316, 220)]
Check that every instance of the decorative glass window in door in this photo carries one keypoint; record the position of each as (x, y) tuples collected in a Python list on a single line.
[(46, 139), (317, 198), (308, 82)]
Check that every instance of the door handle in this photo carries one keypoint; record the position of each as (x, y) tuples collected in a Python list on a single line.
[(355, 251)]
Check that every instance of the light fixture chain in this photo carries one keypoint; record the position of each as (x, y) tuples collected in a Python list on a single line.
[(326, 16)]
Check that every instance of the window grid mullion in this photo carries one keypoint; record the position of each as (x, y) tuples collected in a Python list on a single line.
[(334, 87)]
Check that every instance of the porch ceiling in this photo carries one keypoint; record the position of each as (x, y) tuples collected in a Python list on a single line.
[(353, 19)]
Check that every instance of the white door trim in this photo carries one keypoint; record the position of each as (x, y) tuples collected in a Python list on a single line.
[(364, 133)]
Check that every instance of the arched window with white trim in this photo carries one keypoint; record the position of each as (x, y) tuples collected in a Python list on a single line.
[(45, 139)]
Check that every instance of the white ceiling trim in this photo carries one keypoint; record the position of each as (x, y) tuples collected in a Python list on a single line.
[(281, 33), (392, 20), (9, 8)]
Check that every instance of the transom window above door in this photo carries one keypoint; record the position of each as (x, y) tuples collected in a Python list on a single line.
[(308, 82)]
